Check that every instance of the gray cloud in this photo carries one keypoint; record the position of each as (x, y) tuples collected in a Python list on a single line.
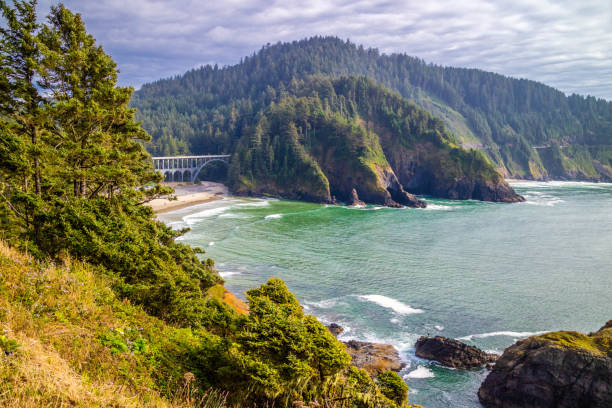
[(564, 43)]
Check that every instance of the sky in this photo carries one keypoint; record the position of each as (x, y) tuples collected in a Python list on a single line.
[(564, 43)]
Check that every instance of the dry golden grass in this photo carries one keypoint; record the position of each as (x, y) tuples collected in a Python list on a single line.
[(55, 314)]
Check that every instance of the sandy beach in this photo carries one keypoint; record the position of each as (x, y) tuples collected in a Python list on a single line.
[(189, 194)]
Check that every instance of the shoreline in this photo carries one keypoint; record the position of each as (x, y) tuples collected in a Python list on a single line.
[(188, 195)]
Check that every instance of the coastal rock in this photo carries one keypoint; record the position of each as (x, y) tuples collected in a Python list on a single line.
[(561, 369), (335, 329), (354, 200), (375, 358), (452, 353)]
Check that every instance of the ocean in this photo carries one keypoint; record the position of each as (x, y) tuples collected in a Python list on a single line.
[(485, 273)]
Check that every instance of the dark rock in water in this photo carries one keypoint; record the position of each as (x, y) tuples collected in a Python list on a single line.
[(335, 329), (375, 358), (354, 199), (452, 353), (561, 369)]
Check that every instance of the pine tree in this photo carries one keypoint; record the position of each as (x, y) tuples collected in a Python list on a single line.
[(94, 130), (22, 118)]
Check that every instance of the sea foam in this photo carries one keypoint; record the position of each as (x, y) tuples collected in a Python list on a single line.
[(260, 203), (420, 372), (228, 273), (437, 207), (211, 212), (273, 216), (501, 333), (390, 303)]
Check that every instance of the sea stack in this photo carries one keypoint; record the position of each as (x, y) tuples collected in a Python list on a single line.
[(452, 353), (563, 369)]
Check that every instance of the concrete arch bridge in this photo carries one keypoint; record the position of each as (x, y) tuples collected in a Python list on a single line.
[(185, 168)]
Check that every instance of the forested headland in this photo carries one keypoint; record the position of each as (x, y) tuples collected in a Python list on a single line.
[(526, 129), (99, 306)]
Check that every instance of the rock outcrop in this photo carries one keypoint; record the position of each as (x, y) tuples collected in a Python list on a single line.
[(561, 369), (335, 329), (354, 200), (452, 353), (375, 358)]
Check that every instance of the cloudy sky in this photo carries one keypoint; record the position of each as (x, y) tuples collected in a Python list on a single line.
[(563, 43)]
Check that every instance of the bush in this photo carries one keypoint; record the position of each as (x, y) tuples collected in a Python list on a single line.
[(393, 387)]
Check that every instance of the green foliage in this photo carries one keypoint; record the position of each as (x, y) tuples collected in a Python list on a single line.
[(153, 270), (8, 346), (393, 387), (278, 353), (125, 341)]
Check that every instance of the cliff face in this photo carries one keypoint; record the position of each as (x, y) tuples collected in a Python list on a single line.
[(561, 369), (333, 137)]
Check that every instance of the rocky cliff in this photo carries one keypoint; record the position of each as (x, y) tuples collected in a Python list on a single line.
[(560, 369), (330, 138)]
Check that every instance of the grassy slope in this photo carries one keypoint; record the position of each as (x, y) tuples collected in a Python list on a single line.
[(69, 341)]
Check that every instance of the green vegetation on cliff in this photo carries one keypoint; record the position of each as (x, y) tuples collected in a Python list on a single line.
[(560, 369), (513, 121), (327, 136), (99, 306)]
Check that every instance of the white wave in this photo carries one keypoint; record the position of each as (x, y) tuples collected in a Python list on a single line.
[(395, 320), (228, 273), (258, 203), (211, 243), (211, 212), (232, 215), (438, 327), (434, 207), (420, 372), (323, 304), (273, 216), (541, 199), (555, 184), (501, 333), (390, 303)]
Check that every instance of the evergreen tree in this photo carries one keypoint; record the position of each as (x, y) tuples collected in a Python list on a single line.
[(22, 117)]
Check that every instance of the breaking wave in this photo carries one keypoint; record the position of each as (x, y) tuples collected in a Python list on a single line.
[(501, 333), (420, 372), (390, 303)]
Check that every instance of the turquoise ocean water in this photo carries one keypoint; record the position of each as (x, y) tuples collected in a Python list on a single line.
[(485, 273)]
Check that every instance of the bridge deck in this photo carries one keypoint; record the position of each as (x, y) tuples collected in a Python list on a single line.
[(208, 156)]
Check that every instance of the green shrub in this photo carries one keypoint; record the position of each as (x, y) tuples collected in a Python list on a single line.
[(393, 387)]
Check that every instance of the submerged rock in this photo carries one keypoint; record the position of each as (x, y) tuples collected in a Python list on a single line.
[(452, 353), (335, 329), (561, 369), (375, 358)]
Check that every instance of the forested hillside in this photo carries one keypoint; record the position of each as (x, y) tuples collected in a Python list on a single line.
[(329, 139), (527, 129)]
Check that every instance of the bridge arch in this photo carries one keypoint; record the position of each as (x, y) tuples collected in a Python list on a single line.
[(168, 176), (198, 169), (178, 176)]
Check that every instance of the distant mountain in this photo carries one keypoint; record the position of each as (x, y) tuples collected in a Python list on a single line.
[(526, 129)]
